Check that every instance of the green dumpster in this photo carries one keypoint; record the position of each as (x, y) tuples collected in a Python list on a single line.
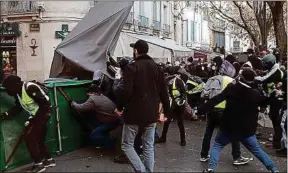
[(69, 137)]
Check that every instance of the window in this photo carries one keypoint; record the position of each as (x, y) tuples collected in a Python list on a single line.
[(193, 30), (155, 10), (165, 11), (219, 39), (205, 15), (141, 8)]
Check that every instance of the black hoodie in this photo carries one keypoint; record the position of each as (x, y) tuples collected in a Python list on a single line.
[(241, 113)]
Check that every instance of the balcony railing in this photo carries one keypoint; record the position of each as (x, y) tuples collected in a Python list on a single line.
[(156, 25), (236, 49), (144, 21), (130, 18), (166, 28), (18, 7)]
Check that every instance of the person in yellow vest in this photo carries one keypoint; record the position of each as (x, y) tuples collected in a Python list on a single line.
[(213, 87), (177, 93), (31, 97)]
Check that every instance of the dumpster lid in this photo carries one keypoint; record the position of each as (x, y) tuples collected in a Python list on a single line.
[(59, 82)]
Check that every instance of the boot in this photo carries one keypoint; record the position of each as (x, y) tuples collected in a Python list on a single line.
[(161, 140), (183, 143)]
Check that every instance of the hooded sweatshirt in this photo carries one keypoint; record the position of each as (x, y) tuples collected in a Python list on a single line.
[(241, 113)]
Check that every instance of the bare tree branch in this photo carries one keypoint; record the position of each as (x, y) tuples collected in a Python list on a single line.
[(241, 15), (227, 17), (249, 5)]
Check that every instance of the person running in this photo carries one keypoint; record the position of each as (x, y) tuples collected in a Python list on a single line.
[(240, 118), (32, 98), (214, 86)]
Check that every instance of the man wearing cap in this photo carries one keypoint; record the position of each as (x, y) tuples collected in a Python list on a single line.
[(239, 120), (107, 117), (140, 88)]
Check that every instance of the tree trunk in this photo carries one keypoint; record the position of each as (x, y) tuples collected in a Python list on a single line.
[(279, 26)]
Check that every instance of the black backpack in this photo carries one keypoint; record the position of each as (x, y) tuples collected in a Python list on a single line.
[(41, 85)]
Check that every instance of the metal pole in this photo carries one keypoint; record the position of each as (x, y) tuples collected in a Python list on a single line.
[(265, 27), (58, 120)]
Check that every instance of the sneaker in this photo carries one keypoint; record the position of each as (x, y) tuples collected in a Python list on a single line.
[(281, 152), (208, 171), (204, 159), (49, 163), (122, 159), (38, 168), (241, 161)]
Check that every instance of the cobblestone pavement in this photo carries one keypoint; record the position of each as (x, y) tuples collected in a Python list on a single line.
[(170, 157)]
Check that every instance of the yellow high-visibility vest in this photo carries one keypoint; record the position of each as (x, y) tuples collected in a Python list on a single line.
[(27, 102), (175, 92), (225, 82)]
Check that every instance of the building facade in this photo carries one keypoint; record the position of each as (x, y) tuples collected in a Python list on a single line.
[(31, 30)]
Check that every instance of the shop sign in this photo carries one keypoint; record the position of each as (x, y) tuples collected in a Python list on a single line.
[(34, 27), (9, 29), (64, 31), (8, 41)]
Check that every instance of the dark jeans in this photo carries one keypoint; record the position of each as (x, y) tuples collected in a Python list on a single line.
[(35, 137), (178, 112), (213, 120), (100, 135), (194, 100), (275, 117), (222, 139), (138, 141)]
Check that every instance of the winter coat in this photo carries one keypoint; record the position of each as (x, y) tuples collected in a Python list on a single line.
[(140, 90), (241, 113)]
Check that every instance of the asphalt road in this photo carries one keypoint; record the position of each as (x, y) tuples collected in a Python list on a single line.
[(170, 157)]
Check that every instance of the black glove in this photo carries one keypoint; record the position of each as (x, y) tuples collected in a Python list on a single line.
[(3, 116), (123, 62)]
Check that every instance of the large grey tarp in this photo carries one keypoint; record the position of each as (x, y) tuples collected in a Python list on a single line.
[(85, 47)]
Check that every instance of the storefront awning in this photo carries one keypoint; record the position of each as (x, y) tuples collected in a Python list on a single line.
[(158, 48)]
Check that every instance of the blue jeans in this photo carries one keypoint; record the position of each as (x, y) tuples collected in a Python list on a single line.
[(222, 139), (156, 133), (128, 137), (284, 129), (100, 135), (212, 122)]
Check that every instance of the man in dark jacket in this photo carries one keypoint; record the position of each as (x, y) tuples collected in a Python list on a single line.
[(270, 80), (240, 118), (140, 88)]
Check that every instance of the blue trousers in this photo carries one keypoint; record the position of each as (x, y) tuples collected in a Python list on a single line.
[(222, 139), (100, 135)]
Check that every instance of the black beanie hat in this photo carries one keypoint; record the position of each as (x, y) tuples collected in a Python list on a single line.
[(248, 75), (11, 80)]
